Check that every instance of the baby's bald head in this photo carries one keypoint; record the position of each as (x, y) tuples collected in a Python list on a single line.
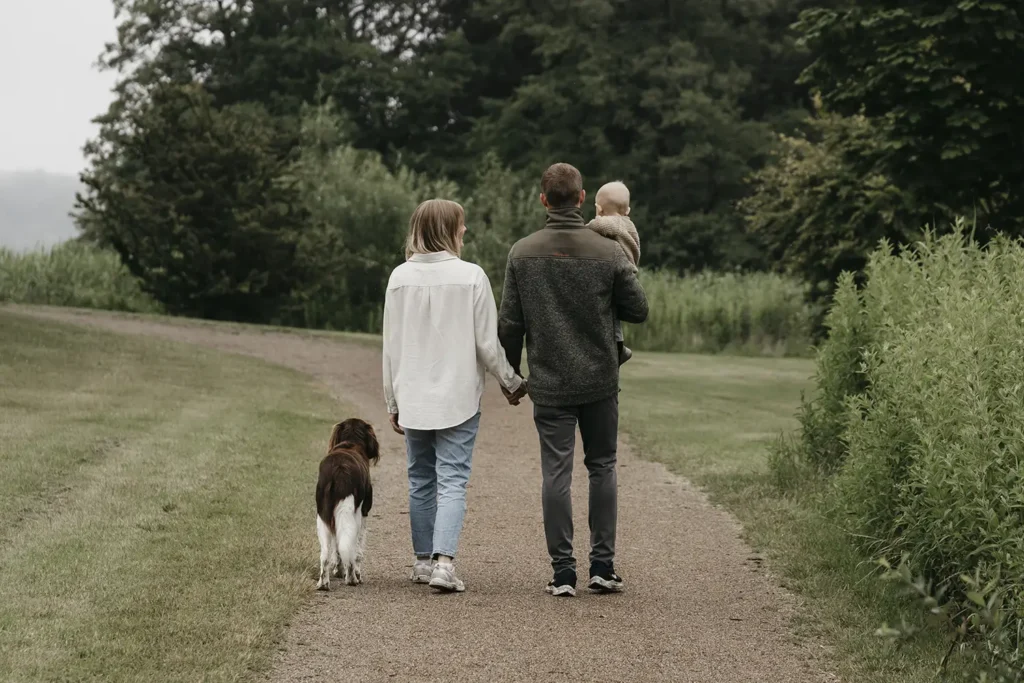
[(612, 199)]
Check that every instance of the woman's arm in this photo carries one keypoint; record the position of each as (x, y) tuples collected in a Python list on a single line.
[(389, 387), (488, 350)]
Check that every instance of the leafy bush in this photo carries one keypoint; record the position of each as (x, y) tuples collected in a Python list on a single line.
[(920, 412), (838, 376), (756, 313), (503, 209), (71, 274)]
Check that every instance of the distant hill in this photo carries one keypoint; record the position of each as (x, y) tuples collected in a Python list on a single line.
[(34, 208)]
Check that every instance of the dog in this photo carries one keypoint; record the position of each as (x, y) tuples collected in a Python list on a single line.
[(344, 496)]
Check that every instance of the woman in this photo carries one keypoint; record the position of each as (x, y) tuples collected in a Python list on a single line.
[(440, 337)]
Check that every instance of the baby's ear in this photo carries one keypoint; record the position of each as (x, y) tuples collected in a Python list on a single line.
[(627, 210), (600, 211)]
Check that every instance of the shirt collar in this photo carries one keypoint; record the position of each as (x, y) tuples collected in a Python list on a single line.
[(436, 257)]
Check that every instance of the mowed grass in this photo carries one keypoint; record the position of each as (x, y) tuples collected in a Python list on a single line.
[(713, 420), (155, 506)]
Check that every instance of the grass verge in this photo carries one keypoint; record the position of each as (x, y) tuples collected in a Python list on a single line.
[(153, 513), (713, 420)]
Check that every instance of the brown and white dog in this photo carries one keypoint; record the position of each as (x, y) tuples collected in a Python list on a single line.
[(344, 496)]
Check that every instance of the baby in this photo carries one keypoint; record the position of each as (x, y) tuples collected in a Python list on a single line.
[(613, 222)]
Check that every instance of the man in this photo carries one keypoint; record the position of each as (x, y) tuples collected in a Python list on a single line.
[(564, 285)]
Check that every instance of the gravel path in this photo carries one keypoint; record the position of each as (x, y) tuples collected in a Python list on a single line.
[(698, 608)]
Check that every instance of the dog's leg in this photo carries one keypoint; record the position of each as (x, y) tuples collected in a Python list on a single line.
[(348, 538), (337, 561), (361, 547), (328, 552)]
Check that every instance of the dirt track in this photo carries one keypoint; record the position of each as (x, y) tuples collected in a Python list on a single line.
[(697, 607)]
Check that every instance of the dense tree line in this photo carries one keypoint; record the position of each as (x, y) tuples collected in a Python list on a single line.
[(249, 141)]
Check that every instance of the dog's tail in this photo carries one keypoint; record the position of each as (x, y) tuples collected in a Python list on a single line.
[(325, 501)]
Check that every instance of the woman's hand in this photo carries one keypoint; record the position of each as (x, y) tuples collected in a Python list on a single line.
[(514, 397), (394, 424)]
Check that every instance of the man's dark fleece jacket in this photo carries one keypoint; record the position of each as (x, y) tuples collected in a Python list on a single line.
[(563, 287)]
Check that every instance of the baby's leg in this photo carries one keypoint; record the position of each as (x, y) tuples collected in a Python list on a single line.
[(624, 353)]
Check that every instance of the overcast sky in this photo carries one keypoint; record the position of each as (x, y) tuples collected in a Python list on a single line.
[(49, 86)]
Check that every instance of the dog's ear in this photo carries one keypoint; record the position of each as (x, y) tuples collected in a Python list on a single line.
[(372, 445), (332, 443)]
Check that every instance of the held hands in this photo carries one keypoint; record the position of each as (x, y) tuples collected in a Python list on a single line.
[(393, 417), (514, 397)]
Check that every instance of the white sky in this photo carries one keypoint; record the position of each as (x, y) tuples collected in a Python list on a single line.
[(50, 89)]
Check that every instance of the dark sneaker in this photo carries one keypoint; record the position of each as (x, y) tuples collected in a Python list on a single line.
[(603, 578), (563, 585)]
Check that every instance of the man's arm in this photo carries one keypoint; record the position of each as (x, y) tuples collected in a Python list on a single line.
[(511, 324), (629, 297)]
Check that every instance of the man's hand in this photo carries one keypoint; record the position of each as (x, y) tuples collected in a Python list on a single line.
[(394, 424), (514, 397)]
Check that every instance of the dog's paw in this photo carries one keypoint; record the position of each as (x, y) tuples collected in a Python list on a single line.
[(324, 584), (357, 575)]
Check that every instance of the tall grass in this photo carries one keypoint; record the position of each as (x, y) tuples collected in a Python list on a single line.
[(71, 274), (757, 314), (919, 414)]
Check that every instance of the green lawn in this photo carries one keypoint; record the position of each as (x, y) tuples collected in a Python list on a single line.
[(714, 419), (153, 516)]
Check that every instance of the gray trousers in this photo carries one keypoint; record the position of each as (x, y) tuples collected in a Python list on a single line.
[(599, 426)]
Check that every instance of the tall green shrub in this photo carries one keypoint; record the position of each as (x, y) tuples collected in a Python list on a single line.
[(72, 274), (839, 376), (927, 440), (358, 213), (755, 313)]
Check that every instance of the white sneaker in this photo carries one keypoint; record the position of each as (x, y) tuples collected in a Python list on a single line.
[(443, 579), (421, 571)]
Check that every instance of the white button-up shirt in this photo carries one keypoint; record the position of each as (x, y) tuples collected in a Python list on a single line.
[(440, 338)]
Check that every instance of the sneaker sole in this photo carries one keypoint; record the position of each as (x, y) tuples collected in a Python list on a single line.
[(446, 587), (561, 591), (599, 585)]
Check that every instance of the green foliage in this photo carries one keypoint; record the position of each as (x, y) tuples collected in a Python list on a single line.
[(754, 314), (677, 99), (650, 94), (940, 83), (839, 376), (816, 210), (504, 208), (918, 122), (192, 200), (71, 274), (358, 212), (980, 624), (926, 440)]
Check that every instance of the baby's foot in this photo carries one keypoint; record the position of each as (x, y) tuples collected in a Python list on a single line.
[(625, 353)]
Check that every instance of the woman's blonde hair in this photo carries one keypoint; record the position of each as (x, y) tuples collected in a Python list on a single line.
[(434, 227)]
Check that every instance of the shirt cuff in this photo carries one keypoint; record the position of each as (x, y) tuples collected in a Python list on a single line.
[(517, 382)]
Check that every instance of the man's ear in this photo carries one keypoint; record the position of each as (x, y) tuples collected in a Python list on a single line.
[(544, 201), (583, 198)]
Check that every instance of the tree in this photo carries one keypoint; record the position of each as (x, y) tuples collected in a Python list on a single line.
[(817, 212), (939, 81), (658, 94), (191, 198)]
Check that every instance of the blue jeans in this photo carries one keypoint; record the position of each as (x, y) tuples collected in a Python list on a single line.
[(439, 464)]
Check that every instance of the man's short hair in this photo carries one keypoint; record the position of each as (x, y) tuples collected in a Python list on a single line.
[(561, 184)]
